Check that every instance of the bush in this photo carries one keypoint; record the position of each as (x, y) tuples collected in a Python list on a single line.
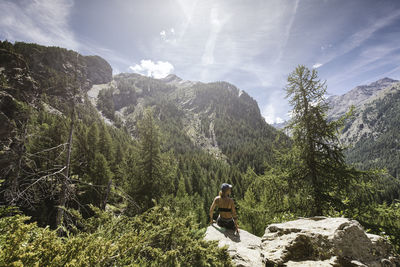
[(156, 238)]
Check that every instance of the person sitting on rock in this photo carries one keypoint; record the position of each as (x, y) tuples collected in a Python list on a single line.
[(226, 207)]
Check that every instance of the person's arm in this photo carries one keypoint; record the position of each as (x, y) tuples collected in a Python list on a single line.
[(234, 215), (212, 209)]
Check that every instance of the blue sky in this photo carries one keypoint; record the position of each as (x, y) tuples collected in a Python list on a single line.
[(253, 44)]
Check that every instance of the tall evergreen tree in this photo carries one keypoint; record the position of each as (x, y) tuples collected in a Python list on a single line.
[(153, 175), (106, 147), (319, 169)]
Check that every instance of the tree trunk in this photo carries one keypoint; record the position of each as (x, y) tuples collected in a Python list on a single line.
[(107, 194), (65, 182)]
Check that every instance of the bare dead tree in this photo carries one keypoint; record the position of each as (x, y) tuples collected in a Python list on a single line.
[(66, 178)]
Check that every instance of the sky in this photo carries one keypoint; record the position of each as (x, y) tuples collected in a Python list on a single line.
[(253, 44)]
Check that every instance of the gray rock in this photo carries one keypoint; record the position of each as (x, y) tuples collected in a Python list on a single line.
[(324, 242), (317, 241), (244, 247)]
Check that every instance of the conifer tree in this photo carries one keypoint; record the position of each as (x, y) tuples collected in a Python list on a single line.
[(153, 176), (100, 177), (319, 168), (93, 141), (105, 143)]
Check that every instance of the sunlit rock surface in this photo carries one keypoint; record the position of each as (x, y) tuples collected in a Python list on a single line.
[(244, 247), (317, 241)]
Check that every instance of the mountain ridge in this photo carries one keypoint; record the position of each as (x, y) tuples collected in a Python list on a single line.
[(340, 104), (209, 113)]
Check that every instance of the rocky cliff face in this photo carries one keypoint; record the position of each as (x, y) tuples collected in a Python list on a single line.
[(30, 72), (317, 241), (357, 96)]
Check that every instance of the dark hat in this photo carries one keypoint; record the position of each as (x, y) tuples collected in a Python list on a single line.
[(225, 186)]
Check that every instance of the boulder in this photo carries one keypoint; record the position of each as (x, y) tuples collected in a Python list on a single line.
[(317, 241), (324, 242), (244, 248)]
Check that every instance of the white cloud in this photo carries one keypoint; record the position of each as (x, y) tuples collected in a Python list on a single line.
[(317, 65), (159, 69), (168, 35), (270, 114), (42, 21)]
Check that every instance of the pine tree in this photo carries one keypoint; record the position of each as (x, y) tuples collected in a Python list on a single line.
[(105, 143), (100, 177), (153, 175), (319, 167), (93, 140)]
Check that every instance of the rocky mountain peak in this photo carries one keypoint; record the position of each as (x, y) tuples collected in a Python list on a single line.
[(357, 96), (171, 78), (383, 82)]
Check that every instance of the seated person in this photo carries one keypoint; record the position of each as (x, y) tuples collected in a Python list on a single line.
[(226, 207)]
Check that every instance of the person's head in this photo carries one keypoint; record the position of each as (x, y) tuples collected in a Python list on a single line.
[(225, 190)]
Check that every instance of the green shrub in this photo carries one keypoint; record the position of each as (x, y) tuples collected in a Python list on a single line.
[(156, 238)]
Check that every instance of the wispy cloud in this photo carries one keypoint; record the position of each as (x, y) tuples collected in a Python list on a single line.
[(253, 45), (287, 31), (159, 69), (41, 21), (317, 65), (371, 58), (358, 38), (46, 22), (217, 21)]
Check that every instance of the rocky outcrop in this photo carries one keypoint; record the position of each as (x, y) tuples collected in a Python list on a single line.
[(317, 241), (244, 248), (56, 70), (99, 71), (334, 241)]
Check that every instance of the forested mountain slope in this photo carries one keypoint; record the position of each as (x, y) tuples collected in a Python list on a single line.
[(372, 134), (200, 134), (214, 117)]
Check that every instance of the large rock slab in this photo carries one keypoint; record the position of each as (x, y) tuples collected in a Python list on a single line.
[(244, 247), (317, 241), (322, 241)]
